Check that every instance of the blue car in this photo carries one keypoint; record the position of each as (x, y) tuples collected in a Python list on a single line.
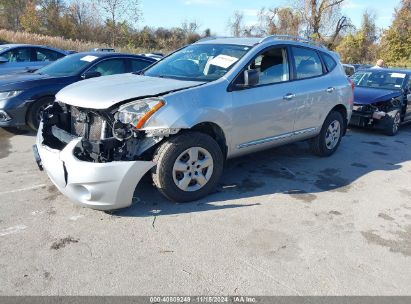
[(24, 96), (382, 99), (16, 58)]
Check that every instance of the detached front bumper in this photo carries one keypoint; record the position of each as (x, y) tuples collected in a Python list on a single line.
[(368, 117), (101, 186)]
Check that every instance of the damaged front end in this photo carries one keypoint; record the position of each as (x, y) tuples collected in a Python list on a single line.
[(106, 135), (378, 114), (97, 157)]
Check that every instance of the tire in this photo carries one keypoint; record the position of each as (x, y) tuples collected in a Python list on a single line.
[(33, 115), (392, 123), (329, 139), (177, 174)]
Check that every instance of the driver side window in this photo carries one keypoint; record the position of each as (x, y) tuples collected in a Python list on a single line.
[(272, 66)]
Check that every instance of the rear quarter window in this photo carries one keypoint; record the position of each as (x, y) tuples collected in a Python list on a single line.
[(329, 62)]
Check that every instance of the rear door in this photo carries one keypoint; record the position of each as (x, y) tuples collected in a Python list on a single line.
[(263, 115), (313, 90)]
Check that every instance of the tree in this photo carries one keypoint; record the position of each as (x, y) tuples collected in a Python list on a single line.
[(396, 41), (323, 19), (236, 24), (118, 11), (30, 19), (10, 12), (360, 46), (280, 20)]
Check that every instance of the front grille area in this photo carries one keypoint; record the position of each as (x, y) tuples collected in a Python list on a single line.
[(86, 124)]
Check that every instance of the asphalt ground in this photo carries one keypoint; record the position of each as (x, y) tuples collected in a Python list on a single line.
[(282, 222)]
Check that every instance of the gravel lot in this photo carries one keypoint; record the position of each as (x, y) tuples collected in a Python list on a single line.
[(283, 222)]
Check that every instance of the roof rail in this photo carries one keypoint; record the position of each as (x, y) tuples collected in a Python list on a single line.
[(293, 38), (212, 38)]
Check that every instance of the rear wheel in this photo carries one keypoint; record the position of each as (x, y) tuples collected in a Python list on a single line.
[(189, 166), (393, 122), (36, 110), (329, 139)]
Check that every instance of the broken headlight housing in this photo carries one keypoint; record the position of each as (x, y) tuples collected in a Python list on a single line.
[(138, 112)]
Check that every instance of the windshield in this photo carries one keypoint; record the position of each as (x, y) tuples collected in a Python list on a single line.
[(199, 62), (379, 79), (68, 66)]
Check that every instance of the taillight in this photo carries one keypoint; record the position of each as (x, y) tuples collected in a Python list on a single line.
[(352, 83), (351, 101)]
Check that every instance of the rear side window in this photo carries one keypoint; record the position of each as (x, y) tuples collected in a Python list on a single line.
[(138, 65), (47, 55), (307, 63), (329, 62)]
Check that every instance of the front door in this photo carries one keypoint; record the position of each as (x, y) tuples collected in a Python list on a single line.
[(263, 115)]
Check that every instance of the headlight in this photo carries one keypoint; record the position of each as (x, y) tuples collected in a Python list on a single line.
[(138, 112), (9, 94)]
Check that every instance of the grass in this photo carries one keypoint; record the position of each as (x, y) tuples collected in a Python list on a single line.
[(7, 36)]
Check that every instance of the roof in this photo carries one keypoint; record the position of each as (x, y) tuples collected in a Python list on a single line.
[(231, 40), (13, 45), (252, 41)]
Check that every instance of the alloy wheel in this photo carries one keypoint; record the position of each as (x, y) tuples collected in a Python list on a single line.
[(333, 134), (193, 169)]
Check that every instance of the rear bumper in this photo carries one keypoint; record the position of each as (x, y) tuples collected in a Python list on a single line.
[(101, 186)]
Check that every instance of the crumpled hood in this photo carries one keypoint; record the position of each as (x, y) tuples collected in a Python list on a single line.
[(104, 92), (371, 95)]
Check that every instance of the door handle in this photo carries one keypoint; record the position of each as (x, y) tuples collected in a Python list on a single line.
[(289, 96), (330, 89)]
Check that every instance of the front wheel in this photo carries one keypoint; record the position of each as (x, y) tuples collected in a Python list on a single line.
[(393, 122), (329, 139), (35, 112), (189, 166)]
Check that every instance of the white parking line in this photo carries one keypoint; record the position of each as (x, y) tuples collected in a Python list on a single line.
[(23, 189), (12, 230)]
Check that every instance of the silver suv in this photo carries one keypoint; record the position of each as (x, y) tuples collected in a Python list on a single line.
[(184, 116)]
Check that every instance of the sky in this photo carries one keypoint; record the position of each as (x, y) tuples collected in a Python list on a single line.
[(214, 14)]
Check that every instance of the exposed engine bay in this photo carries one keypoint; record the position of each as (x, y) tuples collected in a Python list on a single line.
[(104, 137), (370, 114)]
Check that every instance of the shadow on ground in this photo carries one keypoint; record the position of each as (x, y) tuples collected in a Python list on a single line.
[(291, 170)]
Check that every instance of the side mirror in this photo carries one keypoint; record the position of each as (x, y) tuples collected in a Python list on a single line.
[(3, 59), (251, 78), (88, 75)]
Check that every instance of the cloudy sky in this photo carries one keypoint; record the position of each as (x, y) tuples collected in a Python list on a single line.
[(215, 13)]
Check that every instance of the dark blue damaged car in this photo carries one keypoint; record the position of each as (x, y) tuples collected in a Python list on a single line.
[(24, 96), (382, 99)]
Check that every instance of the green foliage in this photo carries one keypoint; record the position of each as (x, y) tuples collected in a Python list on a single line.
[(396, 41), (30, 19), (360, 46)]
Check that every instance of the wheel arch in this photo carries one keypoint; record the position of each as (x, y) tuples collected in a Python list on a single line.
[(344, 112), (34, 100), (215, 131)]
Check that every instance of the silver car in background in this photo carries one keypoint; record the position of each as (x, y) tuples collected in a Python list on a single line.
[(184, 116)]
